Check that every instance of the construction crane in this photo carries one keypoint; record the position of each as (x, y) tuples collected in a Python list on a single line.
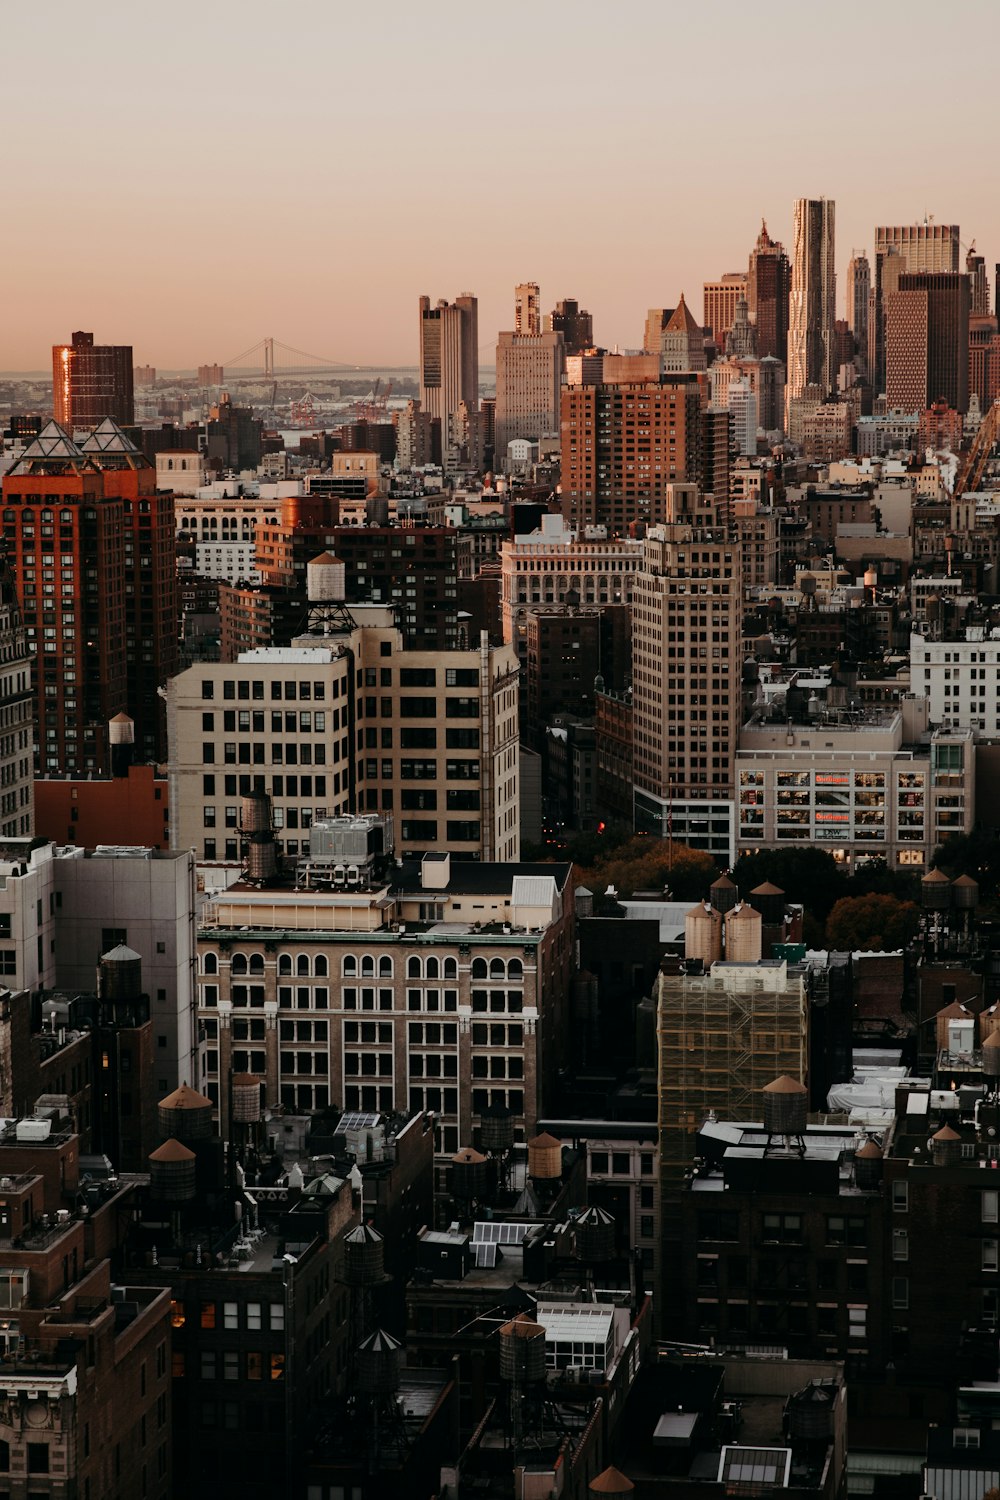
[(973, 465), (373, 408)]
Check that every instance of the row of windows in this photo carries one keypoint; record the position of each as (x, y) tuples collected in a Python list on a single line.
[(367, 966)]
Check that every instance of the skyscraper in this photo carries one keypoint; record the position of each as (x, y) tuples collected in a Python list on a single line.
[(527, 310), (574, 323), (683, 342), (768, 285), (449, 356), (16, 780), (529, 378), (927, 342), (720, 299), (685, 696), (900, 248), (859, 278), (812, 303), (90, 382), (975, 268)]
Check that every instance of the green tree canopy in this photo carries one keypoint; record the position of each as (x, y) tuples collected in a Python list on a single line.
[(808, 876), (649, 864), (873, 924)]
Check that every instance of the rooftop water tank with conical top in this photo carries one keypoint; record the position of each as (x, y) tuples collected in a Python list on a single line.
[(172, 1171), (611, 1484), (935, 891), (545, 1158), (378, 1364), (786, 1106), (468, 1174), (364, 1256), (522, 1351), (186, 1115), (868, 1166), (946, 1147), (246, 1099), (496, 1133), (595, 1235), (723, 894)]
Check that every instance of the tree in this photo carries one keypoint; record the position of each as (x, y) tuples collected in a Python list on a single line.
[(648, 864), (976, 854), (808, 876), (872, 924), (874, 876)]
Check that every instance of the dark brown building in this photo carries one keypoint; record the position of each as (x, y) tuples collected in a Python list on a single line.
[(413, 569), (770, 280), (90, 382), (613, 730), (927, 341), (575, 325)]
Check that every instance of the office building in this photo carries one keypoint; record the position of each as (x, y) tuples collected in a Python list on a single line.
[(418, 437), (927, 341), (859, 279), (529, 380), (768, 290), (686, 666), (438, 984), (527, 310), (657, 319), (449, 356), (812, 299), (925, 247), (720, 299), (574, 323), (17, 714), (682, 345), (741, 340), (90, 382)]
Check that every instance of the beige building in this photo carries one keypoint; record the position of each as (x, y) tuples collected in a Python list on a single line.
[(720, 299), (449, 356), (439, 985), (812, 304), (686, 665), (349, 722), (529, 380), (866, 783)]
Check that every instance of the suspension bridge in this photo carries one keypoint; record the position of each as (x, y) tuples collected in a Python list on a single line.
[(271, 360)]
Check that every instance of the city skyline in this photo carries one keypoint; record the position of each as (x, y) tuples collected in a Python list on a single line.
[(235, 135)]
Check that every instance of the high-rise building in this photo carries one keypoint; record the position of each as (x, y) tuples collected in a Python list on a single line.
[(144, 377), (812, 304), (623, 445), (16, 781), (741, 340), (720, 299), (211, 375), (900, 248), (90, 382), (685, 694), (529, 380), (656, 321), (682, 344), (768, 287), (100, 612), (859, 278), (527, 309), (979, 286), (449, 356), (927, 342), (574, 323)]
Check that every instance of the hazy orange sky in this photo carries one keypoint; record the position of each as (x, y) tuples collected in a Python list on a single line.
[(190, 177)]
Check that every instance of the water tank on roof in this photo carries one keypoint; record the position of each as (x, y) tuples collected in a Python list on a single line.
[(522, 1351), (595, 1235), (868, 1166), (468, 1175), (611, 1484), (326, 580), (497, 1130), (991, 1055), (703, 934), (262, 857), (935, 891), (810, 1411), (723, 894), (120, 974), (786, 1106), (378, 1364), (946, 1147), (364, 1256), (246, 1099), (185, 1115), (255, 813), (545, 1158), (172, 1173), (743, 935), (965, 893), (769, 900)]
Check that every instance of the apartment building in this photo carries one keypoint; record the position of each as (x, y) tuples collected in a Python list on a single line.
[(349, 722), (438, 984), (959, 678)]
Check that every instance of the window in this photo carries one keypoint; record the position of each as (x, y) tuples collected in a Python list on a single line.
[(857, 1319), (965, 1437), (900, 1292), (208, 1315), (900, 1244), (901, 1195), (38, 1458), (230, 1315), (783, 1228), (989, 1255), (990, 1201)]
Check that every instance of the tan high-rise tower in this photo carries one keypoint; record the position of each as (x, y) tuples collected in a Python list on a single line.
[(901, 248), (449, 356), (812, 307), (527, 309)]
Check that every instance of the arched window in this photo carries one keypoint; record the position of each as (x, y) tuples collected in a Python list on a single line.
[(450, 968), (302, 964), (238, 964), (515, 969), (285, 964), (367, 966), (385, 967), (256, 963), (321, 968), (350, 966), (433, 969), (479, 969), (210, 964), (413, 968), (498, 969)]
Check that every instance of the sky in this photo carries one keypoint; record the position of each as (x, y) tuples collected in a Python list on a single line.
[(192, 177)]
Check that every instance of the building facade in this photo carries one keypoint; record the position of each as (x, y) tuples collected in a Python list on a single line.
[(927, 341), (812, 298), (90, 382), (529, 381)]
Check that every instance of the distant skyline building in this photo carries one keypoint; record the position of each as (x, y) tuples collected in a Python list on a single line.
[(720, 299), (813, 298), (449, 356), (859, 279), (683, 342), (927, 342), (574, 323), (768, 288), (900, 248), (979, 286), (529, 379), (90, 382), (527, 309)]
